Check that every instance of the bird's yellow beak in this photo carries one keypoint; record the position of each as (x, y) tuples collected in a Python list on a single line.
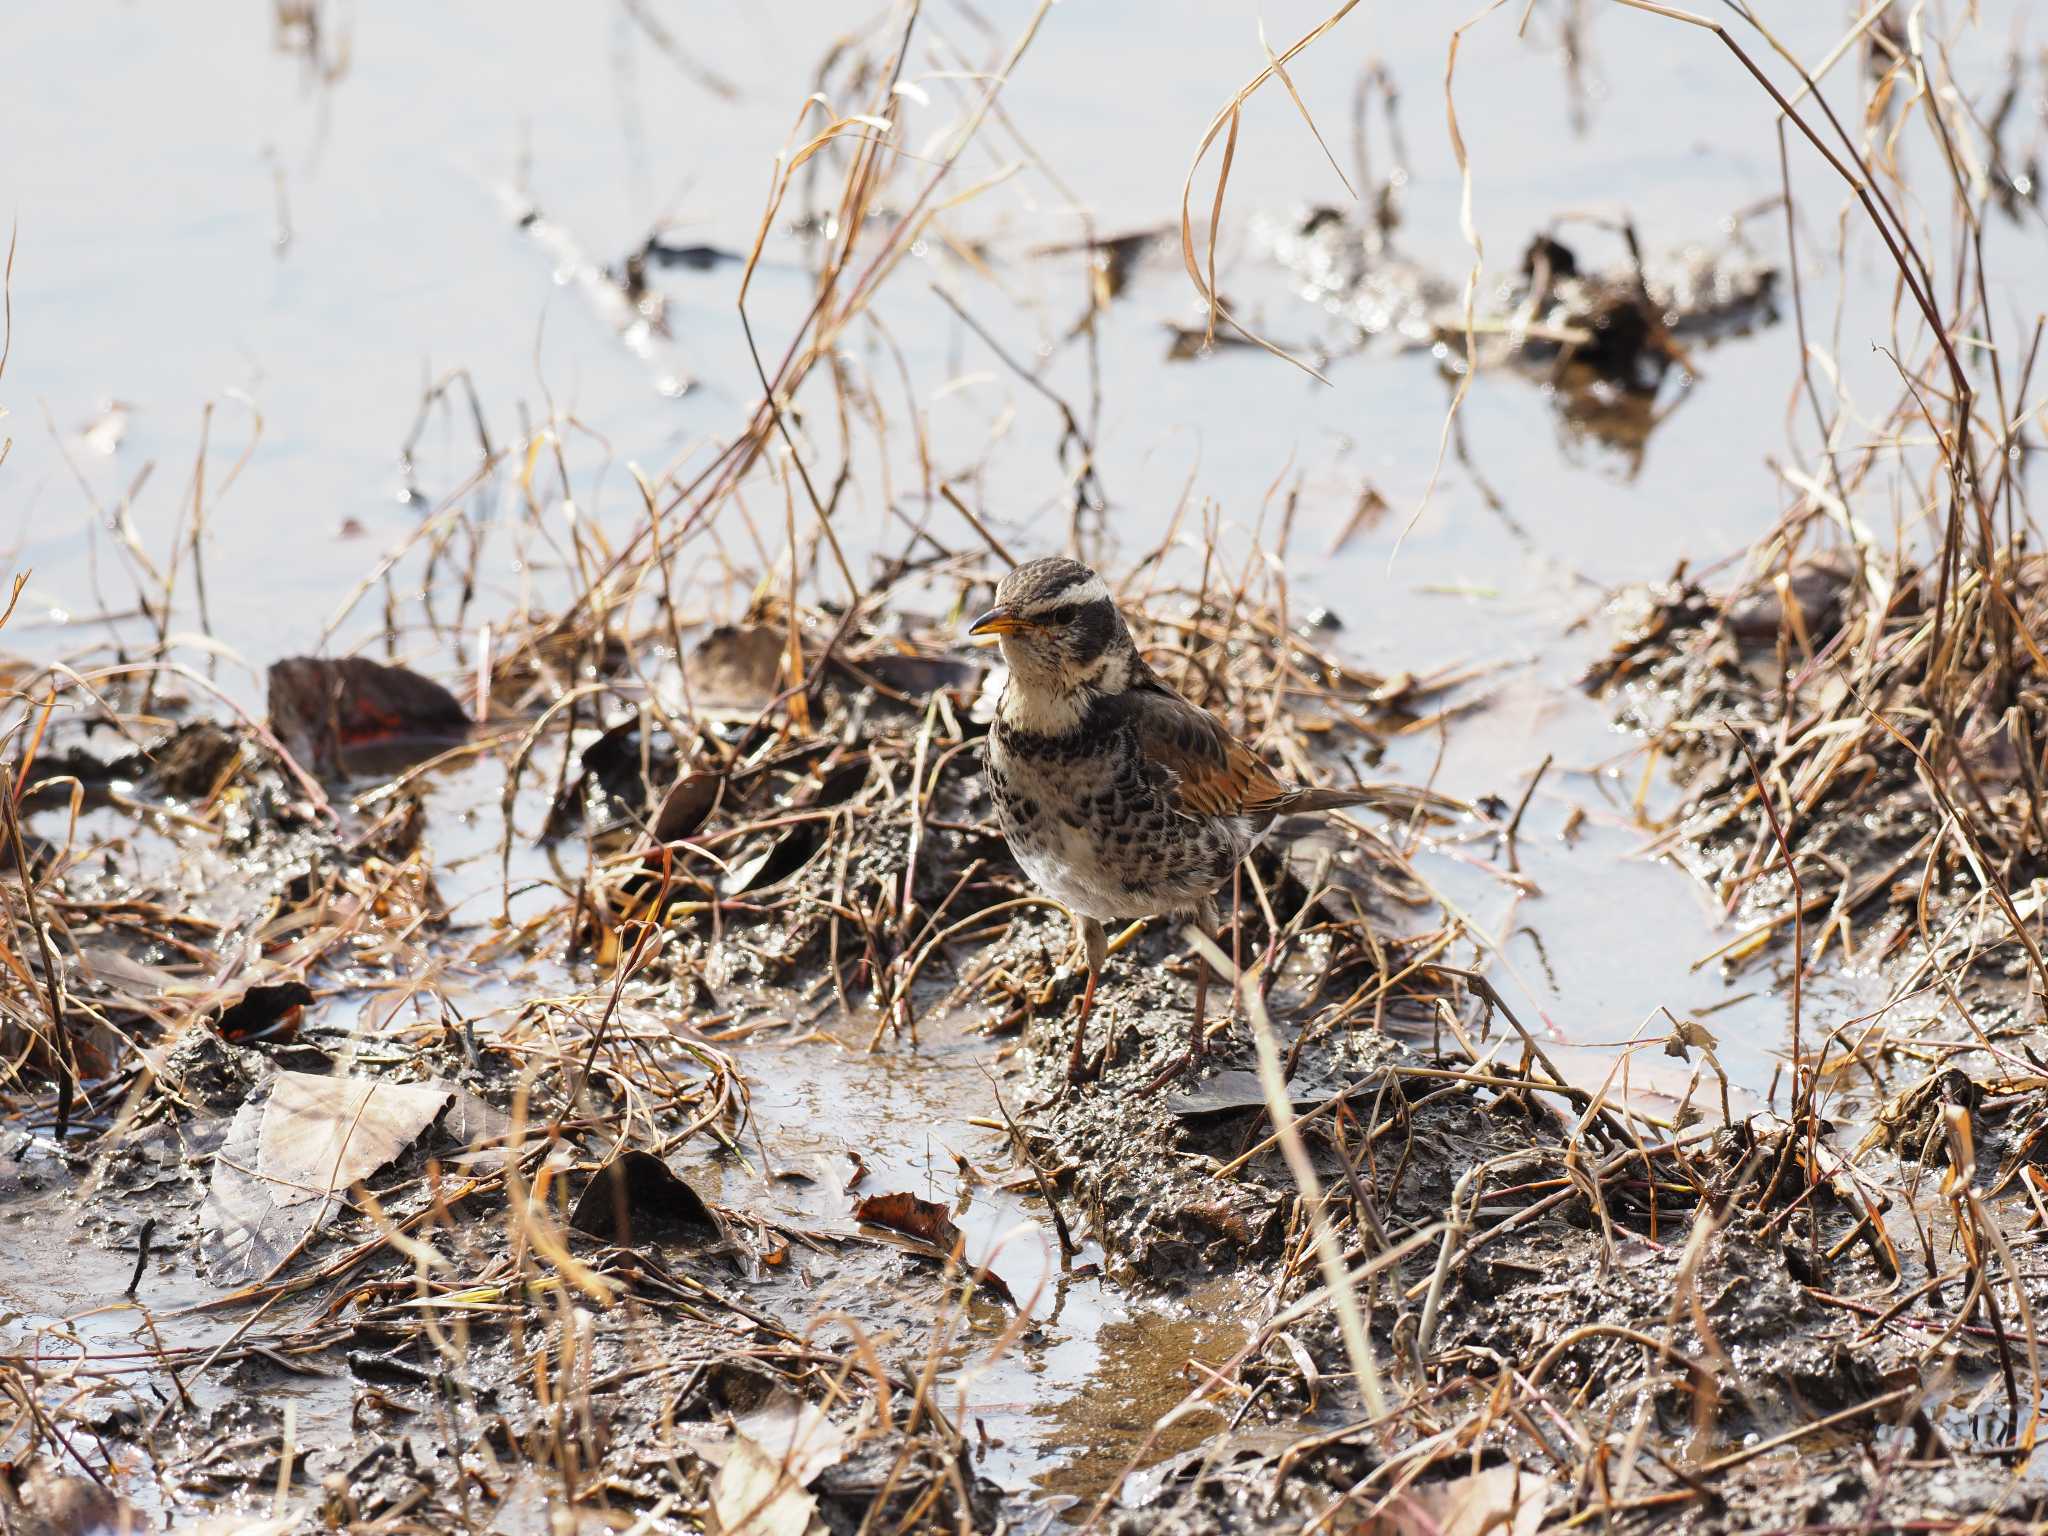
[(997, 621)]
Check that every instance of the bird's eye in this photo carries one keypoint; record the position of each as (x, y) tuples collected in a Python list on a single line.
[(1061, 616)]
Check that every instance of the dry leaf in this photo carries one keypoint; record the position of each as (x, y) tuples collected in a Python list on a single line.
[(754, 1496), (637, 1198), (906, 1213), (1688, 1035), (1501, 1501), (685, 807), (1233, 1091), (478, 1128), (795, 1435), (791, 1434), (264, 1012), (286, 1161), (734, 667), (325, 709), (929, 1227)]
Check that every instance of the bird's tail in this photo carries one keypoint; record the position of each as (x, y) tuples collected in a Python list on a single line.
[(1389, 799)]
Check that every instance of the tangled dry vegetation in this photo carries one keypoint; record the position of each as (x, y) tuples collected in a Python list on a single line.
[(478, 1249), (478, 1221), (1857, 721)]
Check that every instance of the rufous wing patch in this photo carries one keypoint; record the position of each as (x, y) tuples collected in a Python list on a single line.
[(1213, 774)]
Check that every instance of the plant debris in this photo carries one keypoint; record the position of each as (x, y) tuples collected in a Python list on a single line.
[(622, 1085), (287, 1161), (325, 711)]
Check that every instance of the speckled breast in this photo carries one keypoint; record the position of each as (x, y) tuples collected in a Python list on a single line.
[(1093, 829)]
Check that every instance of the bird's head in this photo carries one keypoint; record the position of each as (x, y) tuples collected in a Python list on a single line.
[(1060, 630)]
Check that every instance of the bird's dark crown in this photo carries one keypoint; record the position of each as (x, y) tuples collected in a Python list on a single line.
[(1039, 585)]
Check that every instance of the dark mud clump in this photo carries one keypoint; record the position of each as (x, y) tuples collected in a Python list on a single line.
[(1602, 339)]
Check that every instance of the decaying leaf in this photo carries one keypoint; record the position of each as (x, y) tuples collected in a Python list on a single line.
[(1233, 1091), (795, 1435), (1501, 1501), (1305, 1363), (1688, 1035), (783, 857), (289, 1159), (755, 1496), (929, 1227), (478, 1128), (264, 1012), (733, 668), (685, 807), (775, 1452), (926, 1220), (637, 1198), (324, 707)]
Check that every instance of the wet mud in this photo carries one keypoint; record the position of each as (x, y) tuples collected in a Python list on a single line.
[(594, 1066)]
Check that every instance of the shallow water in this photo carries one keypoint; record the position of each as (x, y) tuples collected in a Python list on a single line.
[(312, 234)]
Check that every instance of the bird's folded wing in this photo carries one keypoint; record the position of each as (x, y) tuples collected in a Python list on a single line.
[(1210, 772)]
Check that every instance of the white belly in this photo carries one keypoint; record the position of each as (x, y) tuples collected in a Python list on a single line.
[(1064, 863)]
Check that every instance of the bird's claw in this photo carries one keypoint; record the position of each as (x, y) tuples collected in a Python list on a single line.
[(1172, 1070), (1186, 1061)]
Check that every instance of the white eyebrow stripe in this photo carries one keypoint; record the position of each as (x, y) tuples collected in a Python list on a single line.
[(1080, 595)]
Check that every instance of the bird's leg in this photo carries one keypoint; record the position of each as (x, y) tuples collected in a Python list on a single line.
[(1204, 918), (1205, 924), (1096, 943), (1077, 1069)]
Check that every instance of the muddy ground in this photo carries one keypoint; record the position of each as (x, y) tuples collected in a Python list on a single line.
[(602, 1072), (344, 1254)]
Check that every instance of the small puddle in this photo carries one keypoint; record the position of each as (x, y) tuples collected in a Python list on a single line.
[(67, 1319), (1138, 1362), (1072, 1402)]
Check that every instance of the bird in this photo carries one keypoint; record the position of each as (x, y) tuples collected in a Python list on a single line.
[(1118, 798)]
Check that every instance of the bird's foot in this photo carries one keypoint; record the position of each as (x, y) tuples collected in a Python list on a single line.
[(1081, 1068), (1173, 1069), (1186, 1061)]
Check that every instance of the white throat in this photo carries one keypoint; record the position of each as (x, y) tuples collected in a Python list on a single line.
[(1041, 711), (1050, 712)]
